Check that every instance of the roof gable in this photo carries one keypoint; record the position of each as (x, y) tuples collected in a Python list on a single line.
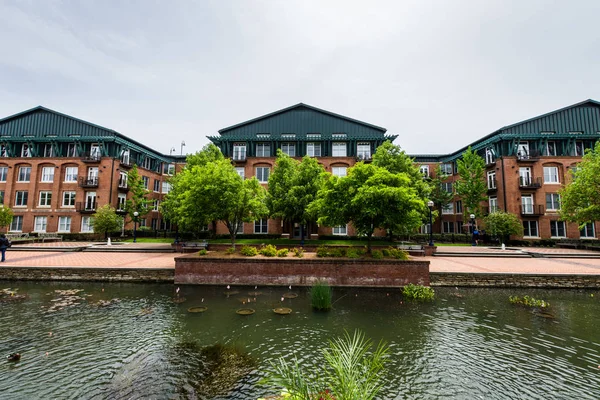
[(302, 119), (42, 122)]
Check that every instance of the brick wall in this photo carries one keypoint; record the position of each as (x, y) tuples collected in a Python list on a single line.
[(514, 280), (87, 274)]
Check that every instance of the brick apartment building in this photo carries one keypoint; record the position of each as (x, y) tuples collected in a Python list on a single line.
[(526, 165), (56, 170)]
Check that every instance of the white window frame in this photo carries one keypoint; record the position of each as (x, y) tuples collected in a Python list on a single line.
[(551, 145), (262, 223), (493, 204), (40, 223), (64, 224), (557, 224), (45, 198), (424, 170), (447, 185), (122, 179), (25, 150), (146, 182), (24, 195), (447, 226), (339, 149), (340, 230), (3, 150), (263, 150), (489, 156), (171, 169), (551, 175), (527, 207), (48, 174), (554, 202), (448, 209), (313, 149), (121, 201), (363, 150), (24, 174), (241, 171), (87, 224), (579, 149), (339, 171), (583, 233), (68, 197), (446, 169), (289, 149), (71, 174), (523, 150), (491, 180), (48, 150), (156, 205), (239, 151), (72, 150), (528, 229), (166, 187), (260, 174), (3, 173), (16, 225), (458, 207)]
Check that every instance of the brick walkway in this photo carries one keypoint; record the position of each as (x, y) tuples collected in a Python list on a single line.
[(89, 259)]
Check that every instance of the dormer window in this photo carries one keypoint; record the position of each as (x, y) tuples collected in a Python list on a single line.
[(313, 136), (289, 149), (338, 136), (263, 135), (363, 151), (263, 150), (25, 150), (239, 151), (339, 149), (288, 136)]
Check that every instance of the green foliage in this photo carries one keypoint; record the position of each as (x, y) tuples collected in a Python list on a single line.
[(528, 301), (211, 190), (138, 200), (322, 251), (298, 252), (106, 220), (230, 250), (396, 253), (353, 253), (370, 197), (320, 295), (580, 199), (202, 252), (6, 216), (268, 251), (471, 186), (249, 251), (293, 185), (282, 253), (377, 254), (439, 195), (418, 292), (349, 370), (503, 225)]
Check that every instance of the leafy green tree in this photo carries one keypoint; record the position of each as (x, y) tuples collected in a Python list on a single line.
[(293, 186), (6, 216), (349, 370), (370, 197), (138, 202), (580, 199), (503, 225), (471, 186), (215, 192), (106, 220), (439, 195)]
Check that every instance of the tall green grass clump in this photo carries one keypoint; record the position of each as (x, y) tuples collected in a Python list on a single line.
[(418, 292), (320, 296)]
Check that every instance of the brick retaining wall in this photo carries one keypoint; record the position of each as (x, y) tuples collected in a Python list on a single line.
[(205, 270), (514, 280), (87, 274)]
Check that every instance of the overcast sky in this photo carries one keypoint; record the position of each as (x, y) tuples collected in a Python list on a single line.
[(440, 74)]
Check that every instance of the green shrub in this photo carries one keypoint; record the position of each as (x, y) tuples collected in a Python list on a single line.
[(386, 253), (528, 301), (269, 251), (298, 252), (418, 292), (396, 253), (249, 251), (377, 255), (338, 252), (202, 252), (320, 295), (230, 250), (353, 253), (282, 253), (322, 251)]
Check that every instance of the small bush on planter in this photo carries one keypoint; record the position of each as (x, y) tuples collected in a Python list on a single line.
[(230, 250), (418, 292), (298, 252), (202, 252), (353, 253), (377, 255), (269, 251), (249, 251), (322, 251), (282, 253)]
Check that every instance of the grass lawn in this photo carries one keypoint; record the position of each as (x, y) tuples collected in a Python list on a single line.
[(150, 240)]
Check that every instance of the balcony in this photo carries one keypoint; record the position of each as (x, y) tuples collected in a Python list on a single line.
[(492, 186), (123, 187), (91, 158), (530, 183), (120, 211), (531, 210), (528, 157), (125, 163), (239, 158), (88, 182), (86, 207)]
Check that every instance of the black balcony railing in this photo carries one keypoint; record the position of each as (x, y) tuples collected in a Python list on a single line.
[(528, 156), (125, 163), (91, 157), (532, 210), (529, 182), (88, 182), (86, 207)]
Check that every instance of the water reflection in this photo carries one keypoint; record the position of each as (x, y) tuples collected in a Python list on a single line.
[(124, 341)]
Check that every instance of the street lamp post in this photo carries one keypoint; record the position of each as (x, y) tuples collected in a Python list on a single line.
[(182, 145), (135, 216), (171, 151), (474, 243), (430, 204)]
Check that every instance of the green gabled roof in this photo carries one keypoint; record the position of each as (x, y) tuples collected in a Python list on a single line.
[(41, 123), (302, 119), (580, 117)]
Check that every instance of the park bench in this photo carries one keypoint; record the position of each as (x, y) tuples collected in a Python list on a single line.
[(412, 249), (188, 247), (568, 245), (17, 236), (51, 237)]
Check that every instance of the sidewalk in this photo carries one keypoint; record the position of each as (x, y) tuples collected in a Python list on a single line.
[(89, 259)]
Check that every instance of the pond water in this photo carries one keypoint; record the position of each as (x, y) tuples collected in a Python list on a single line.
[(474, 345)]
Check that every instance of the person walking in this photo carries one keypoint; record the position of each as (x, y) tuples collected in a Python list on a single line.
[(4, 244)]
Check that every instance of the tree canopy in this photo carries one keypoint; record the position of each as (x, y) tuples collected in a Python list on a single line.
[(471, 186), (439, 195), (138, 201), (293, 185), (106, 220), (580, 199), (6, 216), (370, 197), (212, 190), (503, 225)]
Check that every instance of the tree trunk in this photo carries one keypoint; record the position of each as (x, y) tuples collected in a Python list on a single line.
[(369, 237), (233, 235)]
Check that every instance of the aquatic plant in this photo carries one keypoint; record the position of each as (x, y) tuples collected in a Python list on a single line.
[(269, 250), (249, 251), (320, 295), (349, 370), (282, 253), (528, 301), (418, 292)]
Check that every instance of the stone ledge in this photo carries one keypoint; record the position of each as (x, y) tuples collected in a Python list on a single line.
[(87, 274), (574, 281)]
